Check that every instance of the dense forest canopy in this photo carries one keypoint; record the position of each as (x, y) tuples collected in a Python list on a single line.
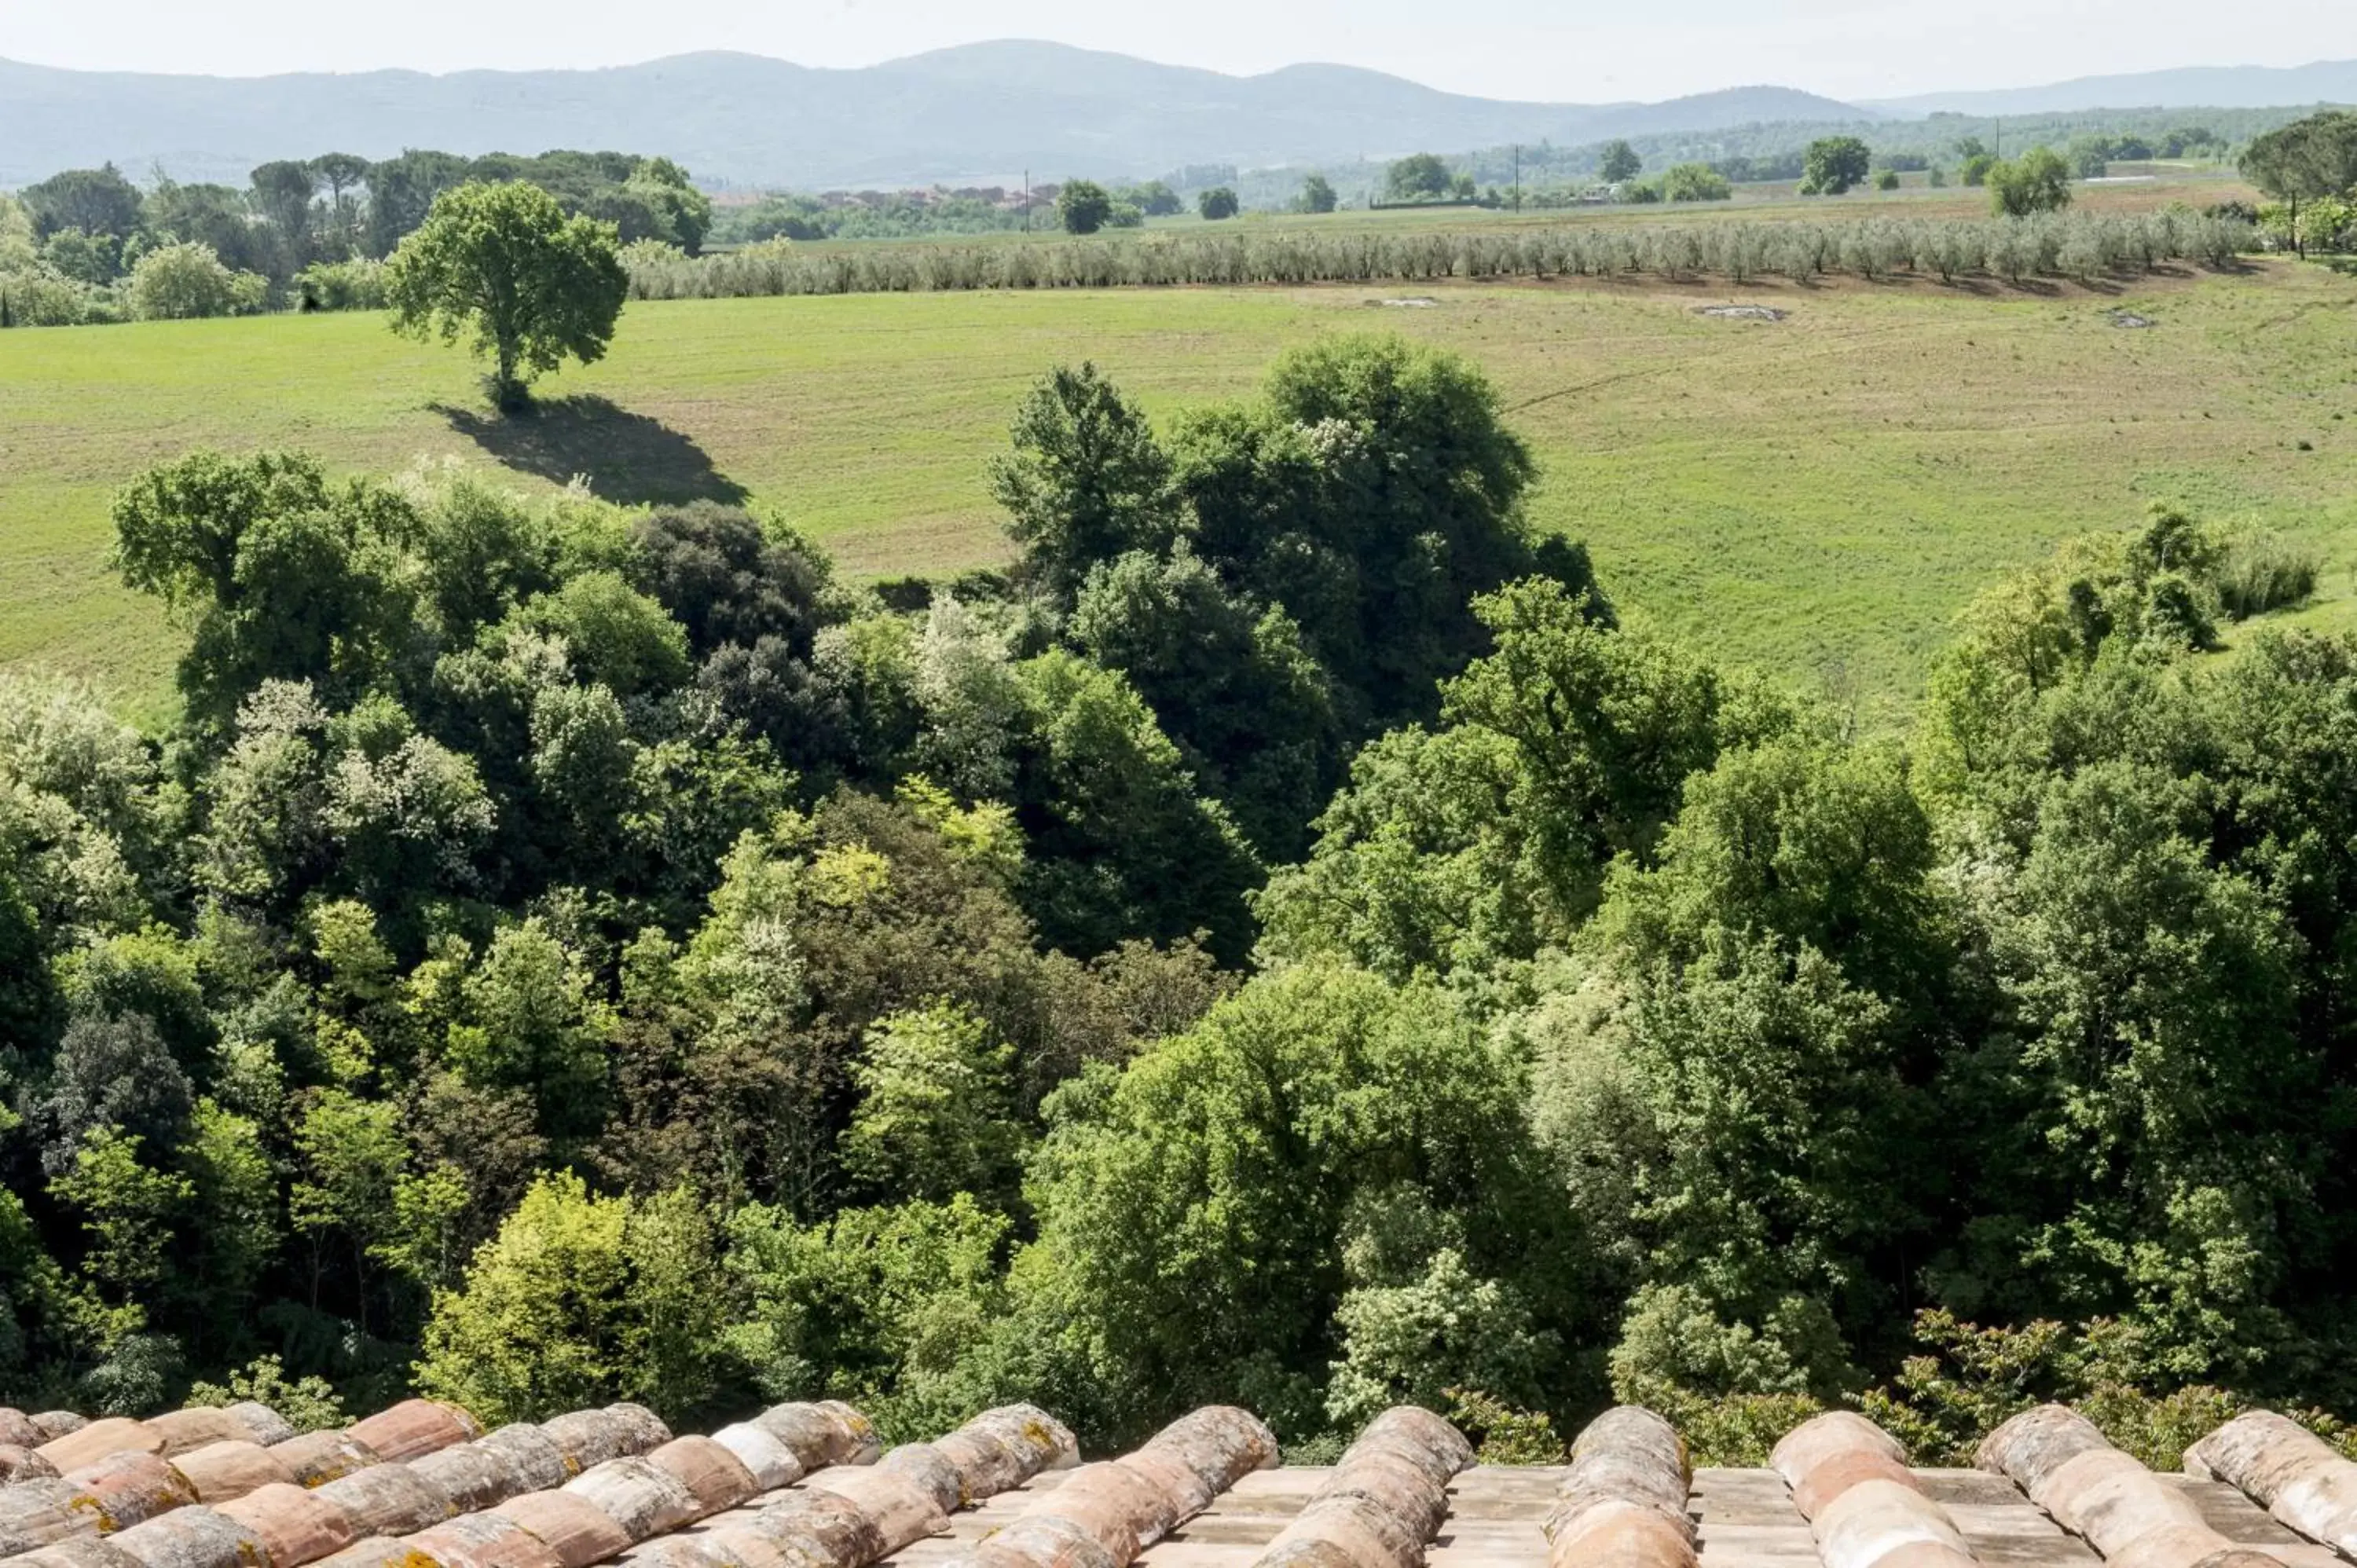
[(1285, 942)]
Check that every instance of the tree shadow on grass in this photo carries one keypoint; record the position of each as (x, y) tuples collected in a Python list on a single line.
[(624, 456)]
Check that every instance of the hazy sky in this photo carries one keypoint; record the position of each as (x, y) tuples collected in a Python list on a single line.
[(1566, 50)]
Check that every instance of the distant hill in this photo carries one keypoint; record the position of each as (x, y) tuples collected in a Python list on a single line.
[(2206, 86), (984, 113)]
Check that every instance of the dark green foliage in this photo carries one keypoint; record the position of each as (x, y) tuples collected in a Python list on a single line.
[(113, 1071), (1086, 481), (2308, 159), (504, 265), (1422, 177), (1287, 576), (280, 574), (1216, 204), (722, 577), (1126, 846), (1083, 207), (95, 201), (1251, 711), (1309, 1113), (567, 954), (1833, 164)]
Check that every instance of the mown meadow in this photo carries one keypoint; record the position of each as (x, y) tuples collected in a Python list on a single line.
[(1817, 495)]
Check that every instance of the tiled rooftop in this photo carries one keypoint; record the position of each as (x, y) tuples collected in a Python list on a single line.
[(805, 1486)]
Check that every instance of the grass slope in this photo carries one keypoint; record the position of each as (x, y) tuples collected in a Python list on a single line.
[(1817, 495)]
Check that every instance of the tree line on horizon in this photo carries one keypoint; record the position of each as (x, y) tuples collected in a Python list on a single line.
[(302, 232)]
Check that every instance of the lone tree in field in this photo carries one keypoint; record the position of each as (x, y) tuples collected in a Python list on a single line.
[(1217, 203), (1083, 207), (1835, 165), (2038, 181), (1317, 195), (1421, 176), (1619, 162), (504, 262)]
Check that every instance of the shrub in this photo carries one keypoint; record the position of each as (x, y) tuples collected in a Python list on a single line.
[(1697, 182), (2262, 570), (39, 296), (1501, 1435), (309, 1403), (174, 283), (355, 285)]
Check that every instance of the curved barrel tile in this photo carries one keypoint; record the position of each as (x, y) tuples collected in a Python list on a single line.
[(100, 1440), (21, 1464), (645, 1501), (220, 1471), (1624, 1503), (716, 1478), (472, 1477), (817, 1436), (473, 1540), (1005, 1447), (82, 1551), (389, 1500), (294, 1524), (1850, 1478), (2296, 1476), (2120, 1508), (193, 1538), (38, 1513), (1104, 1514), (414, 1428), (128, 1488), (1383, 1503), (575, 1530), (202, 1426), (530, 1454), (899, 1504)]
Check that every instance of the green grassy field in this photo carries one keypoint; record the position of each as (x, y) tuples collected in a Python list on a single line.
[(1817, 495)]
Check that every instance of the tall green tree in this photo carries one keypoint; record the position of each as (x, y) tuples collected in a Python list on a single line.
[(2038, 181), (503, 265), (278, 573), (2306, 160), (1086, 480), (96, 201), (1833, 164), (1420, 176), (1619, 161), (285, 195), (1082, 207)]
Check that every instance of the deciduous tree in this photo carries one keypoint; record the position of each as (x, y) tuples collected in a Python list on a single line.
[(503, 265)]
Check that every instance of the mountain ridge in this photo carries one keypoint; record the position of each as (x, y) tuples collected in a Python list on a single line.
[(974, 112), (984, 113), (2181, 87)]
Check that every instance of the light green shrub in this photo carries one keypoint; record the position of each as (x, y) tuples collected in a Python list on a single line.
[(183, 281)]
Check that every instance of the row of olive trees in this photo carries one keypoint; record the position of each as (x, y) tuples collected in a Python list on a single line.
[(2072, 244)]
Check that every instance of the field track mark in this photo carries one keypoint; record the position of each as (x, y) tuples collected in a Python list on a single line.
[(1838, 338)]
